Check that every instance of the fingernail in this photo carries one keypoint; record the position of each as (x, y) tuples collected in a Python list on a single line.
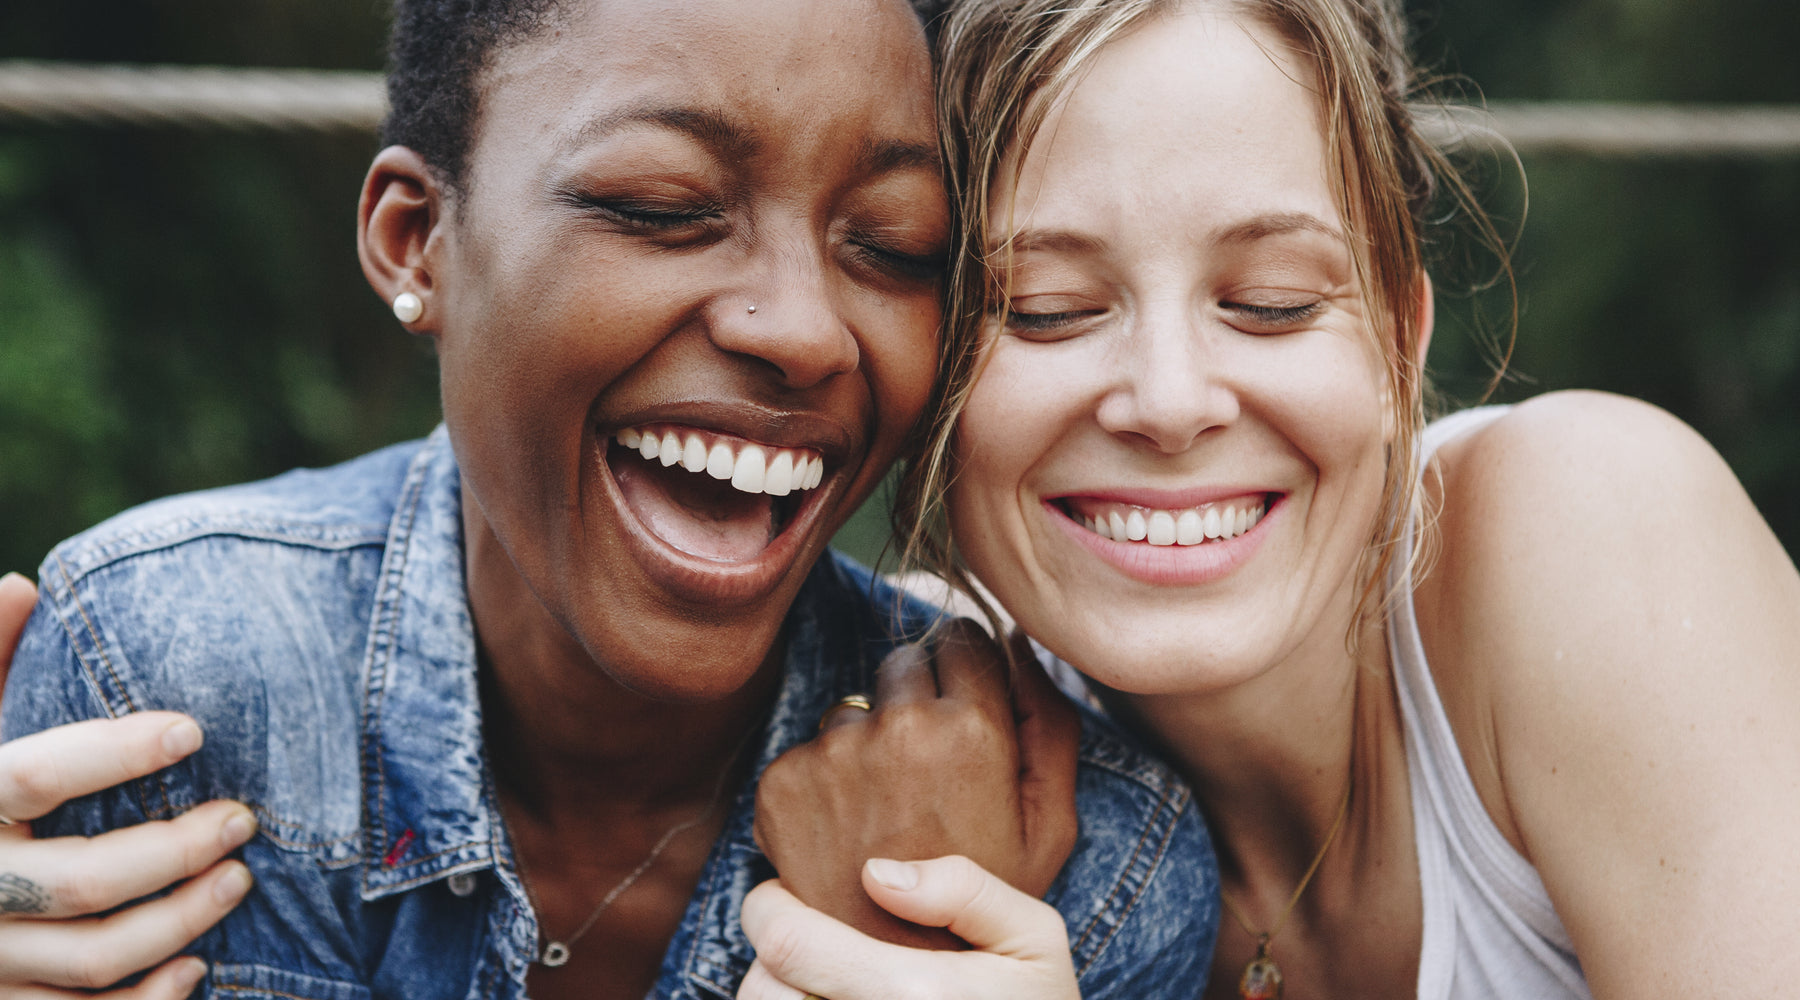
[(232, 885), (894, 874), (189, 974), (182, 738), (238, 830)]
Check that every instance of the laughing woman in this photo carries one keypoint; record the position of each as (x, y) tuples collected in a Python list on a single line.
[(1503, 705)]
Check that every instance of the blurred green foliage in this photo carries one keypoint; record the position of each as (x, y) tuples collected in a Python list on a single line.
[(184, 309)]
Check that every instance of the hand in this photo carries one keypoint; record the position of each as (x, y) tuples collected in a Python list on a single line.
[(945, 763), (48, 888), (1022, 945)]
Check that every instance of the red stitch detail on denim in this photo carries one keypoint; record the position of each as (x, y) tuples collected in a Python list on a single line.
[(399, 849)]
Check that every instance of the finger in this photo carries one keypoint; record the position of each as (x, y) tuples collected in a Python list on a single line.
[(905, 677), (173, 980), (1049, 741), (74, 876), (844, 713), (760, 984), (968, 900), (42, 771), (95, 952), (17, 598), (802, 948), (971, 668)]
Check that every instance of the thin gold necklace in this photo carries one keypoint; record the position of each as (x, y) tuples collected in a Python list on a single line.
[(1262, 977), (557, 952)]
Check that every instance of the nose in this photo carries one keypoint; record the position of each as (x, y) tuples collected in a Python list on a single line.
[(1170, 385), (787, 317)]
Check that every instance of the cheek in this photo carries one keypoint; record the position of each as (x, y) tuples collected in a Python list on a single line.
[(1329, 397), (1018, 413)]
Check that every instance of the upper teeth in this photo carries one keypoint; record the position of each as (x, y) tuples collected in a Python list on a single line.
[(1190, 526), (751, 468)]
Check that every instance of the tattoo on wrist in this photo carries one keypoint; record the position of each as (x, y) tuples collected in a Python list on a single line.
[(19, 894)]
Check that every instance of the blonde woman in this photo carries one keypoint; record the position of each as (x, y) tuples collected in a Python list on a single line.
[(1507, 705)]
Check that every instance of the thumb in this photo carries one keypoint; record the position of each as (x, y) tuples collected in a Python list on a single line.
[(971, 902)]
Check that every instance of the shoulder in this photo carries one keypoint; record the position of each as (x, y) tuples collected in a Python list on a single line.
[(1601, 581), (343, 506), (245, 607), (1576, 518)]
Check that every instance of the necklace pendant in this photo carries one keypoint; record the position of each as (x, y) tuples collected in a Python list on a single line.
[(555, 953), (1262, 977)]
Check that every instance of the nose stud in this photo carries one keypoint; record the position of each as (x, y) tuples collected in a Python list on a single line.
[(751, 310)]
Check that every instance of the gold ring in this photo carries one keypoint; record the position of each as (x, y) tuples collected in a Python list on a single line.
[(857, 701)]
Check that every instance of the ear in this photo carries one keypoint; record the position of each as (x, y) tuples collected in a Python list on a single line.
[(1427, 317), (397, 218)]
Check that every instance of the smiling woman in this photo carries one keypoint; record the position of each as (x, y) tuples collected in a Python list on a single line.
[(1187, 452), (498, 699)]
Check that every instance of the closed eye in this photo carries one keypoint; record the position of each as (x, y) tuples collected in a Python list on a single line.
[(1274, 319), (927, 267), (648, 216), (1047, 326)]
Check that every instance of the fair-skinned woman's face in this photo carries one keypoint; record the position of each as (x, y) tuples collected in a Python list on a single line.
[(689, 312), (1173, 458)]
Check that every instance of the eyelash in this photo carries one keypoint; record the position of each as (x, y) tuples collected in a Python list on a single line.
[(1043, 325), (641, 216), (914, 267), (1275, 316)]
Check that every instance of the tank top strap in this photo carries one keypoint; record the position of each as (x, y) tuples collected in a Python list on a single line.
[(1461, 852)]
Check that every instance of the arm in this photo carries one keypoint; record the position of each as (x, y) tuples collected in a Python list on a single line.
[(50, 888), (953, 759), (1628, 631)]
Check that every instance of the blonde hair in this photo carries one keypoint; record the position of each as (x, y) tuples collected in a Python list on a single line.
[(1004, 65)]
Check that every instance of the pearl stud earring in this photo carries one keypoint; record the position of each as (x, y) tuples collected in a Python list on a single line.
[(752, 309), (407, 307)]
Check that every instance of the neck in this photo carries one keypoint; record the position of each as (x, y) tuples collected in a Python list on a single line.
[(1271, 758), (570, 745)]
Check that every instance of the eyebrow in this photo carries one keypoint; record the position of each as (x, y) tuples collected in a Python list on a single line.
[(724, 138), (1049, 241), (886, 155), (1249, 231), (1277, 224)]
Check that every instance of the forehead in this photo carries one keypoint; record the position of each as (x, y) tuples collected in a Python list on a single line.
[(1195, 115), (801, 66)]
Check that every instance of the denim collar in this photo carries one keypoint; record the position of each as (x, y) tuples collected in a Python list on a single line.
[(427, 799), (423, 767)]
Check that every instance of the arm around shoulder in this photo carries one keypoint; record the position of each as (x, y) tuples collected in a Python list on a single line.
[(1628, 629)]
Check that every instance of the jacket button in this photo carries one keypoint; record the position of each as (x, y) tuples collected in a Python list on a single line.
[(462, 883)]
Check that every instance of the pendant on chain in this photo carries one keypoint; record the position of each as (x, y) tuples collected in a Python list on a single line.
[(1262, 977), (555, 954)]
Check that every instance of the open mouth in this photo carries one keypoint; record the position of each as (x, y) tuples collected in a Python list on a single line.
[(708, 494), (1187, 526)]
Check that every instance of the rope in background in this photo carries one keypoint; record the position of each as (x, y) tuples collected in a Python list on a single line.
[(212, 97)]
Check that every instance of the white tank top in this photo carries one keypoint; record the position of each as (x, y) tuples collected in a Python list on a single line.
[(1489, 928)]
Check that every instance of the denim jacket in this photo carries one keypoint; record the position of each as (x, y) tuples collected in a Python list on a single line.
[(318, 627)]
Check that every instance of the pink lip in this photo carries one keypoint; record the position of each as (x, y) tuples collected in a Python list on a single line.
[(1170, 565), (1163, 499)]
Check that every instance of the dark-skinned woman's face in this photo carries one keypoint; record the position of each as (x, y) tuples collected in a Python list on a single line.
[(687, 312)]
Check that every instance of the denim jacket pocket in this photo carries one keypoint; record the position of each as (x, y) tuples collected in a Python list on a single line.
[(261, 982)]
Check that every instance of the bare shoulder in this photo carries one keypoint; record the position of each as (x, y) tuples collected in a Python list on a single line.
[(1616, 633), (1578, 509)]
